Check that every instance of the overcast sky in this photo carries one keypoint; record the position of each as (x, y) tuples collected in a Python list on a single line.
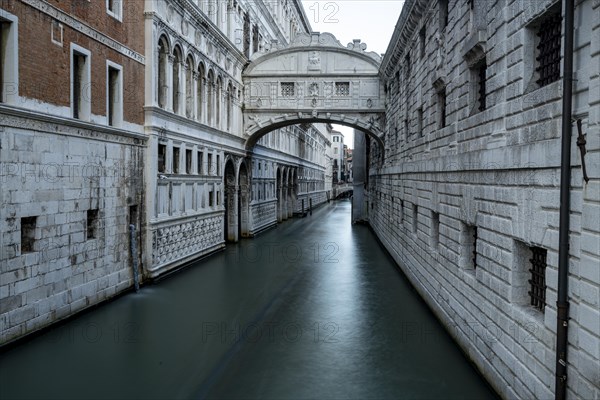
[(372, 21)]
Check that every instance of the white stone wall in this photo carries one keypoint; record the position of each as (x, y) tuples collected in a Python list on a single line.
[(497, 170), (186, 206), (57, 170)]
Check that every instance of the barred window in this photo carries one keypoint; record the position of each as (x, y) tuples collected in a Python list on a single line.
[(342, 88), (537, 291), (481, 88), (473, 233), (287, 89), (441, 100), (548, 50)]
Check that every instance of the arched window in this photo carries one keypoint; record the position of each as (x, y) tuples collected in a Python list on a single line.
[(210, 97), (163, 62), (218, 101), (189, 87), (229, 105), (200, 95), (177, 62)]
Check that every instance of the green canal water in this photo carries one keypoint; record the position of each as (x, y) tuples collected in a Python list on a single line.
[(313, 309)]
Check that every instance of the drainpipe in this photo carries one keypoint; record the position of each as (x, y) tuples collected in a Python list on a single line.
[(134, 257), (562, 304)]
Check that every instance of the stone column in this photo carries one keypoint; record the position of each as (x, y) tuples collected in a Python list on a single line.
[(290, 200), (359, 171), (171, 88), (195, 98), (232, 213), (245, 210)]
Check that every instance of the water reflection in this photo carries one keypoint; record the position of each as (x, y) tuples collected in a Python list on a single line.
[(311, 309)]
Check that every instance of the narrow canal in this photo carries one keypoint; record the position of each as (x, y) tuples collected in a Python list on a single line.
[(313, 309)]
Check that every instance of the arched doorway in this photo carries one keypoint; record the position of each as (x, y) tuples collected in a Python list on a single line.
[(231, 203)]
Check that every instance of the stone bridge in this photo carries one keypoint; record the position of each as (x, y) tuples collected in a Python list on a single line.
[(313, 79)]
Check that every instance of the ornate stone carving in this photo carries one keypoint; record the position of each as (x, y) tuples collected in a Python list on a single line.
[(314, 61), (185, 27), (264, 214), (175, 242), (316, 39)]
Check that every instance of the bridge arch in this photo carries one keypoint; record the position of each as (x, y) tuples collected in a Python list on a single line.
[(313, 79)]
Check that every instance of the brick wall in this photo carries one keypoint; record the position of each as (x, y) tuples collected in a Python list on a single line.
[(44, 66)]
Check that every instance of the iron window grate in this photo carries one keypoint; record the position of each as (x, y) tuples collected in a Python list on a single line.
[(537, 292), (548, 58), (481, 92), (287, 89), (342, 88), (474, 259)]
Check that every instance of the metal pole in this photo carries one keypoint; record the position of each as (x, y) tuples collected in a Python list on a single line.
[(136, 279), (562, 304)]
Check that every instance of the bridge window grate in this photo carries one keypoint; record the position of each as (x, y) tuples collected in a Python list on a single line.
[(342, 88), (288, 89), (537, 292), (548, 58)]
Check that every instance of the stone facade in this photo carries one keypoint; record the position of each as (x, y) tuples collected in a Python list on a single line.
[(71, 158), (201, 171), (466, 191), (85, 153)]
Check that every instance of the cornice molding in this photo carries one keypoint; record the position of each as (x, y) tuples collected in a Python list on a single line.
[(42, 122), (410, 17)]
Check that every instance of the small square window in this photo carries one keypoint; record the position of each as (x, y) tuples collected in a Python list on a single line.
[(537, 282), (92, 224), (28, 225), (56, 33), (548, 49)]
